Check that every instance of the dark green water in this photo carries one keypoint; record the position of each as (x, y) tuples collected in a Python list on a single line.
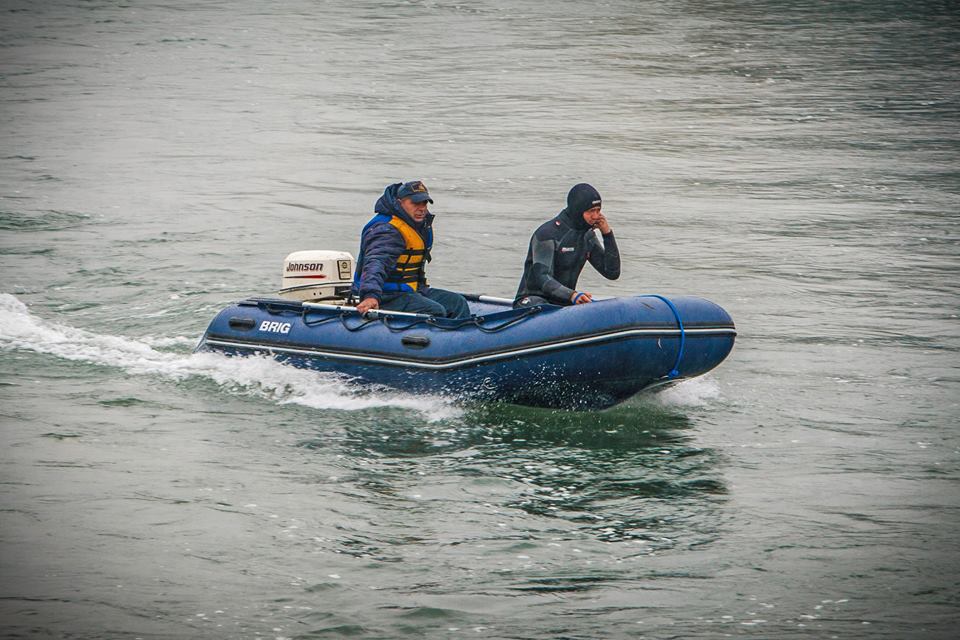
[(794, 162)]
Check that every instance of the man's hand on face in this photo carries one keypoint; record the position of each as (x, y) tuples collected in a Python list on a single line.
[(368, 304), (602, 224), (595, 218)]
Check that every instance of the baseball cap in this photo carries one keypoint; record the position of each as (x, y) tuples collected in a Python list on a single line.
[(415, 190)]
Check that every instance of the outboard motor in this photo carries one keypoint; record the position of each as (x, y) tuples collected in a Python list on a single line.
[(317, 276)]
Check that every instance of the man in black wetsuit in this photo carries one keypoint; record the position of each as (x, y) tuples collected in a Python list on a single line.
[(561, 246)]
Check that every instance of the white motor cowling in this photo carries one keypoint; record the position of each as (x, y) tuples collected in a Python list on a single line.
[(317, 276)]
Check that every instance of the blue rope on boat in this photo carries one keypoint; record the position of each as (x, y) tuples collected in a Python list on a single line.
[(683, 337)]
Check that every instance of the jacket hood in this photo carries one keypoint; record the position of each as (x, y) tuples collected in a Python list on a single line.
[(388, 205)]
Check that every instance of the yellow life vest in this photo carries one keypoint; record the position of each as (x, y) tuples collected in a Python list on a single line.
[(411, 263), (408, 274)]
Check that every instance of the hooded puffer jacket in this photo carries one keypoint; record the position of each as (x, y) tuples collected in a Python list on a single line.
[(393, 250)]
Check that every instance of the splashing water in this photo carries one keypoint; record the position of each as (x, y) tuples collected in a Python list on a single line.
[(696, 392), (253, 375), (164, 341)]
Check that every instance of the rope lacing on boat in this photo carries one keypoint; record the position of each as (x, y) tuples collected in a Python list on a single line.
[(445, 325)]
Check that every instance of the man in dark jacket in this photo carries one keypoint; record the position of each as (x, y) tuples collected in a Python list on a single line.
[(560, 247), (394, 251)]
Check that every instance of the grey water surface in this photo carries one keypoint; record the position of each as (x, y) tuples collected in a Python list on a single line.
[(796, 162)]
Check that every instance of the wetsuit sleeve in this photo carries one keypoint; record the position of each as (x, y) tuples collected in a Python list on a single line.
[(383, 245), (606, 258), (543, 252)]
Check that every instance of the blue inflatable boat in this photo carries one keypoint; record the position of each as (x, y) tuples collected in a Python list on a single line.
[(581, 357)]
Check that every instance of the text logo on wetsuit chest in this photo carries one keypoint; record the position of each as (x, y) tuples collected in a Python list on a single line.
[(567, 249), (275, 327)]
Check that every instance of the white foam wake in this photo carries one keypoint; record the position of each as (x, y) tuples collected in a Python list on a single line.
[(696, 392), (257, 376)]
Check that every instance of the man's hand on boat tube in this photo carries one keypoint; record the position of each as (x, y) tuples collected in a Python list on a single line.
[(367, 304), (581, 297)]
